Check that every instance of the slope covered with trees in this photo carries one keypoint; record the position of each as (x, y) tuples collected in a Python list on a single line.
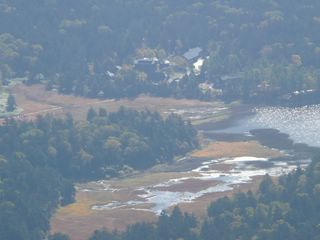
[(40, 160), (286, 209), (88, 47), (29, 195), (260, 49)]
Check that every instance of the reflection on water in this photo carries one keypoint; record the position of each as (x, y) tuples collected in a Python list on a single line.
[(242, 170), (302, 123)]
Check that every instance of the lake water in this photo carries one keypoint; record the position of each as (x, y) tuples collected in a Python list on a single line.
[(301, 123)]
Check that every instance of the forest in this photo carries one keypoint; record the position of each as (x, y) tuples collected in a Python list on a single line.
[(257, 49), (41, 160)]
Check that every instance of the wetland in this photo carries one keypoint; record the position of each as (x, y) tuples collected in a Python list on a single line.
[(248, 144)]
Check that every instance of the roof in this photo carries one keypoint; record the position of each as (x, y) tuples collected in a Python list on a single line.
[(192, 53), (146, 61)]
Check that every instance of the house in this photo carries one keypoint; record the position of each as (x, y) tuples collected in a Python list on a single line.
[(192, 54)]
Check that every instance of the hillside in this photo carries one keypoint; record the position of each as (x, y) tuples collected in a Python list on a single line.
[(92, 48), (131, 88)]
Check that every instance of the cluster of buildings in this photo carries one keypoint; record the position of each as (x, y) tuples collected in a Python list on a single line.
[(158, 70)]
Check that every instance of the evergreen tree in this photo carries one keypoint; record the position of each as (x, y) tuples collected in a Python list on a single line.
[(11, 103)]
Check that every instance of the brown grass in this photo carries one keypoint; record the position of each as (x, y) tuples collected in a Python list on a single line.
[(82, 227), (199, 207), (79, 221), (149, 179), (35, 100), (235, 149), (190, 185)]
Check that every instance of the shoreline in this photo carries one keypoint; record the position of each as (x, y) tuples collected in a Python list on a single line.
[(124, 189), (237, 112)]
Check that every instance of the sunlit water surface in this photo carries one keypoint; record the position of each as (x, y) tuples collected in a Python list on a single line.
[(302, 123)]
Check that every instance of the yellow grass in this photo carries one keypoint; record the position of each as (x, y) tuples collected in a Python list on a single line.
[(235, 149), (199, 207), (79, 208), (149, 179), (35, 100)]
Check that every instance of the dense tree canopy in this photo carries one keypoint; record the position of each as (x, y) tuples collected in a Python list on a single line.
[(41, 159), (102, 146), (28, 196), (89, 47)]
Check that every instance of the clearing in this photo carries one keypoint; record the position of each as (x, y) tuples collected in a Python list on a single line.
[(35, 100)]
